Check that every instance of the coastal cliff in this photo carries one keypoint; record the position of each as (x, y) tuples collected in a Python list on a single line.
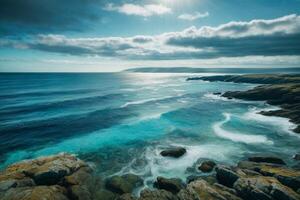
[(278, 90), (65, 177)]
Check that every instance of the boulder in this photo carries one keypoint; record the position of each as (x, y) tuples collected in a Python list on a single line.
[(104, 194), (36, 193), (123, 184), (263, 188), (79, 192), (226, 176), (267, 159), (175, 152), (207, 166), (148, 194), (173, 185)]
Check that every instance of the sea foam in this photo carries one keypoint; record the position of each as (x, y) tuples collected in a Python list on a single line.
[(236, 136)]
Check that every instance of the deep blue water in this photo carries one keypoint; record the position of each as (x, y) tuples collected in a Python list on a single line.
[(120, 121)]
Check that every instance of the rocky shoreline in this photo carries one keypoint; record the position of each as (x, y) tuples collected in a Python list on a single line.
[(65, 177), (278, 90)]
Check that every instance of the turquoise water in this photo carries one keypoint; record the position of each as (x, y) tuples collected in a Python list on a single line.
[(119, 122)]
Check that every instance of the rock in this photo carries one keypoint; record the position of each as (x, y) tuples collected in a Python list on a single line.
[(296, 156), (80, 177), (46, 170), (104, 195), (175, 152), (12, 183), (267, 159), (39, 179), (204, 190), (286, 176), (79, 192), (192, 178), (188, 194), (36, 193), (173, 185), (217, 93), (263, 188), (123, 184), (126, 197), (207, 166), (157, 195), (226, 176)]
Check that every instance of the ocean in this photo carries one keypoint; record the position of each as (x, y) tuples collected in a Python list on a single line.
[(119, 122)]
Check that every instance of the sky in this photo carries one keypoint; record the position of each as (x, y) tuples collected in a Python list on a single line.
[(104, 36)]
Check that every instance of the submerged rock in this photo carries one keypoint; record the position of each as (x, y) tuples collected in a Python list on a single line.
[(175, 152), (207, 166), (173, 185)]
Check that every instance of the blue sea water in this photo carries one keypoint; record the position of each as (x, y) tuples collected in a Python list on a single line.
[(119, 122)]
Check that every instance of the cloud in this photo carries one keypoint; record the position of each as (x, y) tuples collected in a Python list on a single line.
[(139, 10), (33, 16), (276, 37), (194, 16)]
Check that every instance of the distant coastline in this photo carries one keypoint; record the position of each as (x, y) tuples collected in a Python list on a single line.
[(213, 70)]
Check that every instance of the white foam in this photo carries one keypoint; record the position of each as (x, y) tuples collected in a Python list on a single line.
[(156, 165), (236, 136), (283, 123), (144, 101)]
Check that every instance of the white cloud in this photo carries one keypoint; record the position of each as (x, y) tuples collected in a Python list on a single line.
[(194, 16), (266, 38), (139, 10)]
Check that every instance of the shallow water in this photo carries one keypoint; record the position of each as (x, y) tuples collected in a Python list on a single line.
[(120, 122)]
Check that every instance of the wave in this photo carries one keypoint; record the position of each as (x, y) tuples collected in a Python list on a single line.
[(143, 101), (40, 132), (155, 165), (236, 136), (283, 123), (47, 93), (13, 110)]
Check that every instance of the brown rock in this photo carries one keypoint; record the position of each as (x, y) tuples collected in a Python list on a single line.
[(263, 188), (157, 195), (207, 166), (36, 193)]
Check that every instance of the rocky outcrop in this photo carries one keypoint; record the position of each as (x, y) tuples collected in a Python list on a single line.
[(264, 179), (263, 188), (279, 90), (175, 152), (57, 177)]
